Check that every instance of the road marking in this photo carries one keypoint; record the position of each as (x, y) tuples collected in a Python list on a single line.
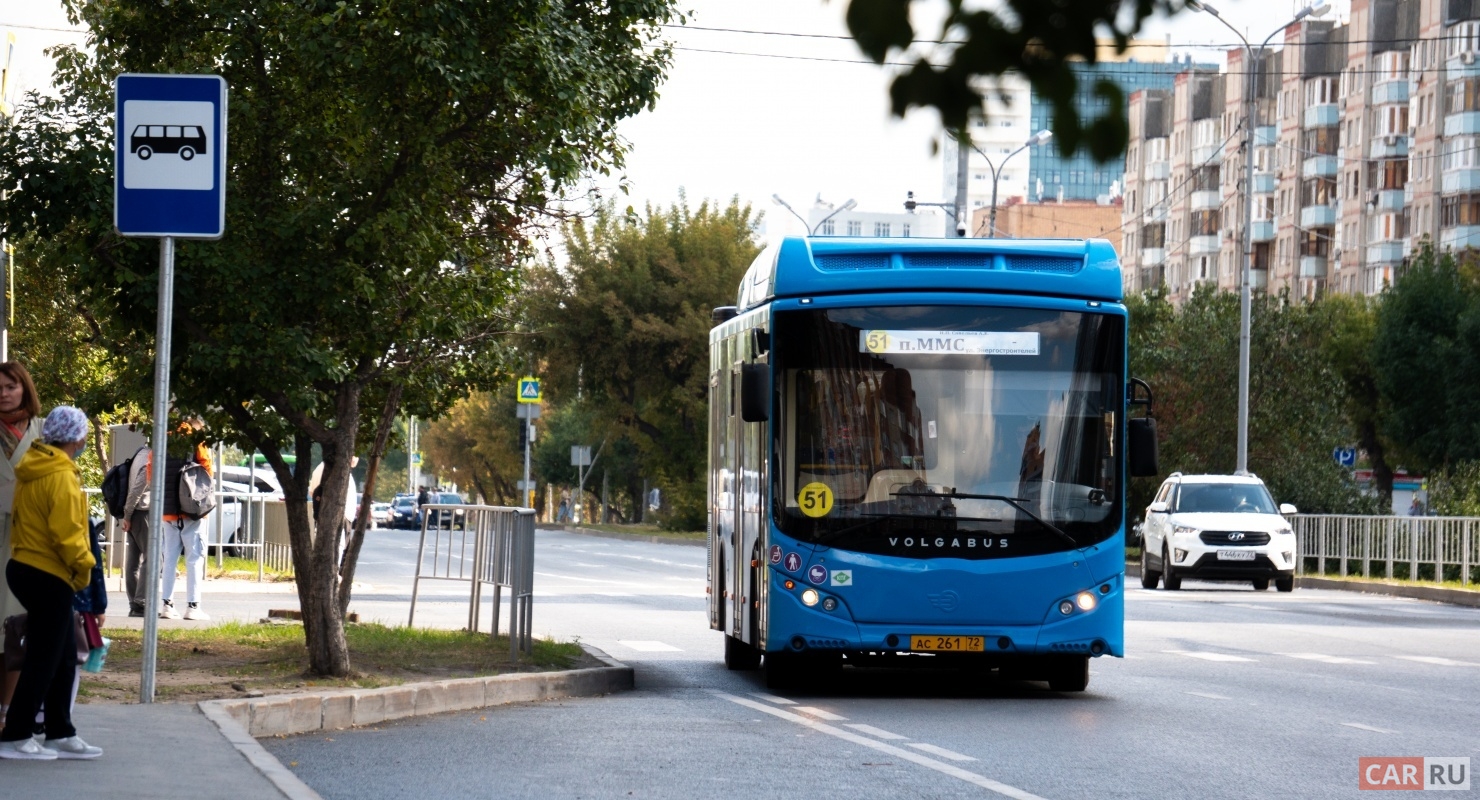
[(876, 732), (1325, 659), (1208, 656), (820, 714), (898, 752), (642, 646), (771, 698), (939, 751), (1359, 726), (1209, 696), (1443, 662)]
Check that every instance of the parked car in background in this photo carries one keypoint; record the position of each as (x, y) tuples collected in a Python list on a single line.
[(443, 518), (1217, 527), (380, 515), (404, 513)]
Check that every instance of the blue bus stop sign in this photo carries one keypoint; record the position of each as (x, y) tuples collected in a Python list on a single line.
[(169, 175)]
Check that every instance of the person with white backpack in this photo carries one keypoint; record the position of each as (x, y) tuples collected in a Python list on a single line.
[(187, 498)]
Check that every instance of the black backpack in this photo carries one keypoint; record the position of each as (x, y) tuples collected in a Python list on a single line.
[(197, 493), (115, 487)]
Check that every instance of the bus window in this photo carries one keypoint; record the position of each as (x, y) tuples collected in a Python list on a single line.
[(1024, 407)]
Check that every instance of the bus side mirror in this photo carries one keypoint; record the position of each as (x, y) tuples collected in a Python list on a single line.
[(1141, 448), (755, 392)]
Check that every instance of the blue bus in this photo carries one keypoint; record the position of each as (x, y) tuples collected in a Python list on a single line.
[(918, 456)]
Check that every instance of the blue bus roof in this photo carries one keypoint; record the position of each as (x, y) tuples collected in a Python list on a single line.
[(809, 267)]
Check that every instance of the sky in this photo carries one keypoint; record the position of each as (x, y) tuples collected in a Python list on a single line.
[(746, 123)]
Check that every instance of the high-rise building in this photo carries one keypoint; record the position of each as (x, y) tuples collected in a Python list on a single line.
[(1356, 164), (1015, 113)]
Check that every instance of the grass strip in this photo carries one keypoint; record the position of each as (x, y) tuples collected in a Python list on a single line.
[(234, 659)]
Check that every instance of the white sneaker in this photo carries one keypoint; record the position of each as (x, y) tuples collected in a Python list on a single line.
[(169, 612), (28, 749), (72, 747), (194, 612)]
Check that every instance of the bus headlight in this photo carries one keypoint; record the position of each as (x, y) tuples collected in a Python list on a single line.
[(809, 597), (1085, 601), (1066, 608), (830, 604)]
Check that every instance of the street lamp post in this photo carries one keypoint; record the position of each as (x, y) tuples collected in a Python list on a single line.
[(776, 198), (1245, 293), (1034, 140)]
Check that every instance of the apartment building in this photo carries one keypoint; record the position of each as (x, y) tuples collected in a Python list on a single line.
[(1366, 145)]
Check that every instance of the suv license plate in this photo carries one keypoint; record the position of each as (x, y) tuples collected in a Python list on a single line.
[(947, 644), (1235, 555)]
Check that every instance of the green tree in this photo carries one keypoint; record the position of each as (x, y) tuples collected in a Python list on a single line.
[(1426, 352), (1296, 398), (627, 322), (386, 162), (1039, 40), (1351, 321)]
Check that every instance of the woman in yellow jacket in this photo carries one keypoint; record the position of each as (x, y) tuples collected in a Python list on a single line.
[(51, 558)]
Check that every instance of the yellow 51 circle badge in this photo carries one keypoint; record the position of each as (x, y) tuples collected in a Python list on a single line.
[(816, 499)]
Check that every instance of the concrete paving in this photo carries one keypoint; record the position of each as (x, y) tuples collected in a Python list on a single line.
[(160, 751)]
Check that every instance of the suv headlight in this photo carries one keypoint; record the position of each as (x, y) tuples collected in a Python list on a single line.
[(1285, 532), (1178, 530)]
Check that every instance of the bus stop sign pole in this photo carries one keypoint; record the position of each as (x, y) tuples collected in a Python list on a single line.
[(169, 183)]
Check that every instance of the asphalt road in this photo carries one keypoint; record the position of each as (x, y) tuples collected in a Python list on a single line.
[(1225, 693)]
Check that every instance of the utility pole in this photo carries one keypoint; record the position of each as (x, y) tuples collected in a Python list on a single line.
[(963, 169)]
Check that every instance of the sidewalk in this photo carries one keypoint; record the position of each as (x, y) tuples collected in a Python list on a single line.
[(160, 751)]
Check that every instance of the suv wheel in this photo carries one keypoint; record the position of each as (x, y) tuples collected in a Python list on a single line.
[(1149, 577), (1169, 580), (1285, 584), (1260, 584)]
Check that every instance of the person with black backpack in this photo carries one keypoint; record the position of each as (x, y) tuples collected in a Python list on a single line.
[(187, 498)]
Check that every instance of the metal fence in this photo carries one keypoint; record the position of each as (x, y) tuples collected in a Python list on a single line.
[(237, 527), (1412, 548), (480, 545)]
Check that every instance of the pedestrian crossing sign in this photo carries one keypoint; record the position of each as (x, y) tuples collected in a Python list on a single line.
[(529, 390)]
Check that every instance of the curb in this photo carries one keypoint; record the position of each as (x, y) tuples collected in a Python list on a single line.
[(1435, 594), (631, 537), (243, 721)]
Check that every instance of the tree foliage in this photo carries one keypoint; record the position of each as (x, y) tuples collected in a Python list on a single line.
[(1039, 40), (1426, 353), (626, 324), (476, 445), (1189, 355), (385, 164)]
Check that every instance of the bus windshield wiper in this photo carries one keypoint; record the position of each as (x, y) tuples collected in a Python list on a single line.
[(1015, 502)]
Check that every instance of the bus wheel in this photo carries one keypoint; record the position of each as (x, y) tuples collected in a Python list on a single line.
[(783, 671), (739, 655), (1068, 674), (187, 153), (144, 153)]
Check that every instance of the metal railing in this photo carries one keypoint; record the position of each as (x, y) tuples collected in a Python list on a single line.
[(1437, 549), (480, 545)]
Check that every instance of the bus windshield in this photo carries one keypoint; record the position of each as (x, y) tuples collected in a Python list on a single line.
[(948, 431)]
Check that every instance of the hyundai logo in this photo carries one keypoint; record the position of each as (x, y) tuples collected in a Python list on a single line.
[(1236, 536)]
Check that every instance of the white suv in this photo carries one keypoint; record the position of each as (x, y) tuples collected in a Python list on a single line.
[(1217, 527)]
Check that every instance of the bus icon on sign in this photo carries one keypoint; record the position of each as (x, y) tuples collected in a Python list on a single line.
[(182, 140)]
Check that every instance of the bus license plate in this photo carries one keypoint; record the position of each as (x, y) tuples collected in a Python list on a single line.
[(947, 644), (1235, 555)]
